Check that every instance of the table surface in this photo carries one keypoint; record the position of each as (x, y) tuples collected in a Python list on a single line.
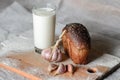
[(100, 17)]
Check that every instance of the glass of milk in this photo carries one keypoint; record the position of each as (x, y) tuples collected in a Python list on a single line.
[(44, 18)]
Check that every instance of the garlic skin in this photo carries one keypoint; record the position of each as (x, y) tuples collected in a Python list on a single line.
[(57, 55), (52, 54), (61, 69), (46, 54), (52, 67), (60, 58), (70, 68)]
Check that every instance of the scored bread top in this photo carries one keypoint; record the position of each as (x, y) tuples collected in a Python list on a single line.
[(78, 34)]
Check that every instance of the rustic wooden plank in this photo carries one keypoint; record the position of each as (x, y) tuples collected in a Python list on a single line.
[(24, 74), (32, 63), (9, 75)]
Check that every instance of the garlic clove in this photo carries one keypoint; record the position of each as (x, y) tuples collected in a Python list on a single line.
[(52, 67), (59, 56), (46, 53), (55, 55), (70, 68), (61, 69)]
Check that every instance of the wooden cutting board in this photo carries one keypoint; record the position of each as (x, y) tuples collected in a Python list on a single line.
[(32, 64)]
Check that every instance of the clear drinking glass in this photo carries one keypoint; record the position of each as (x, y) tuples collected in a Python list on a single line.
[(44, 18)]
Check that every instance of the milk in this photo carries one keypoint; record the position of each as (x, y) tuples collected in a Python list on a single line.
[(44, 27)]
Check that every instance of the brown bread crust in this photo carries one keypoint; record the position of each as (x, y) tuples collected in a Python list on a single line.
[(76, 42)]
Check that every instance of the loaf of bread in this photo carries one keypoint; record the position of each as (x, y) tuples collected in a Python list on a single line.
[(76, 42)]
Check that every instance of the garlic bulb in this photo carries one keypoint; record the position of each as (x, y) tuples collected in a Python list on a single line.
[(53, 54)]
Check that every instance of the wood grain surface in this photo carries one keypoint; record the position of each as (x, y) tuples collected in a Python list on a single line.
[(32, 66)]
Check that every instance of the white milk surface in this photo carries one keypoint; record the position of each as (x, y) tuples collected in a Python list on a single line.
[(44, 27)]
